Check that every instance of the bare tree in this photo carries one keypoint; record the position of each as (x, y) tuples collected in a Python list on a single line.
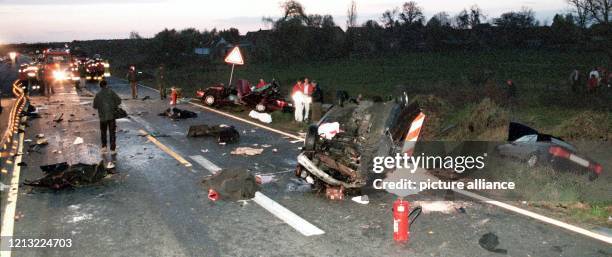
[(476, 16), (351, 15), (135, 35), (592, 10), (412, 13), (441, 19), (581, 11), (389, 18), (292, 9)]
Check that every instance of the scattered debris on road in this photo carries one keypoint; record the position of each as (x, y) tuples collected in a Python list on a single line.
[(62, 175), (224, 133), (362, 199), (248, 151), (58, 118), (231, 184), (78, 141), (176, 113), (489, 242), (265, 179), (298, 185), (334, 192), (261, 116)]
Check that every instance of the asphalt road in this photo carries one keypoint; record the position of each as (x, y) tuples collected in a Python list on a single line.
[(157, 207)]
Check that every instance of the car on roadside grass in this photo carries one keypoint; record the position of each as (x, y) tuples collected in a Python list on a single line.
[(535, 149)]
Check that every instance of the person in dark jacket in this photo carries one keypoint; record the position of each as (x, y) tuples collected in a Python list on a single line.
[(317, 102), (161, 81), (107, 102), (133, 79)]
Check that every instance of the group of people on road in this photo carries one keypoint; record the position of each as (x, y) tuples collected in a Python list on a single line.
[(304, 94), (598, 77)]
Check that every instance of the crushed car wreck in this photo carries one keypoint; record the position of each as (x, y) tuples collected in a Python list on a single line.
[(535, 148), (61, 175), (339, 151)]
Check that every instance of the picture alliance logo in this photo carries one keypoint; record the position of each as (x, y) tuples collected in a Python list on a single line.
[(404, 161)]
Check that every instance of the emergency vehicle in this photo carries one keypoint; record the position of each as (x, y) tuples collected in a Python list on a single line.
[(55, 66), (97, 68)]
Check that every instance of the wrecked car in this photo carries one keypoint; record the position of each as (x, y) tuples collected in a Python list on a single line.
[(62, 175), (265, 99), (338, 152), (535, 148)]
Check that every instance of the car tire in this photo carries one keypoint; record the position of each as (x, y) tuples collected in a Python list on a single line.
[(311, 138), (209, 100), (260, 107), (533, 160)]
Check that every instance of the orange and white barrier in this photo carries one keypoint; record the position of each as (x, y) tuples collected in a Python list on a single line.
[(413, 134)]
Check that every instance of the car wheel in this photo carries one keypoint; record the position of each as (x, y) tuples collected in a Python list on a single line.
[(533, 160), (260, 107), (209, 100), (311, 138)]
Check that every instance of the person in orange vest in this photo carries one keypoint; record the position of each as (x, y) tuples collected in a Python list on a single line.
[(308, 89), (261, 83), (298, 100)]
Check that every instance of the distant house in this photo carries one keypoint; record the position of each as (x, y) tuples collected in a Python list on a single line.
[(205, 51)]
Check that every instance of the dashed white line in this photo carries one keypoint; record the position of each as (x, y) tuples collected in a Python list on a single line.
[(205, 163), (295, 221)]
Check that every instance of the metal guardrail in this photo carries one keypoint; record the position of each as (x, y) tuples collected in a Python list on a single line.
[(8, 144)]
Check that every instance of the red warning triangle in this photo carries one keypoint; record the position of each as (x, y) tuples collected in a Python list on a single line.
[(234, 57)]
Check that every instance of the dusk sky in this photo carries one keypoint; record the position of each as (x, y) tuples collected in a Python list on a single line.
[(67, 20)]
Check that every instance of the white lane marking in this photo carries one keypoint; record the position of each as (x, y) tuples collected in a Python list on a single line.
[(295, 221), (8, 218), (536, 216), (248, 121), (205, 163)]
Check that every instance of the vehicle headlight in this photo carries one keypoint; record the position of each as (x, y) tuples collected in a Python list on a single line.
[(31, 74), (106, 65), (59, 75)]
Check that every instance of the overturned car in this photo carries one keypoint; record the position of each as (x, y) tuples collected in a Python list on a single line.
[(339, 150)]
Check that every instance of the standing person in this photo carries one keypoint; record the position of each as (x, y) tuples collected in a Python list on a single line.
[(298, 100), (308, 89), (107, 102), (511, 91), (161, 81), (317, 102), (595, 73), (82, 74), (262, 83), (592, 83), (133, 79), (575, 80)]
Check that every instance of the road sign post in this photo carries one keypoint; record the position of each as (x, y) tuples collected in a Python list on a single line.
[(234, 57)]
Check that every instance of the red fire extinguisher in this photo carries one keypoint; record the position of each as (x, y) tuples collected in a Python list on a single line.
[(402, 219)]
